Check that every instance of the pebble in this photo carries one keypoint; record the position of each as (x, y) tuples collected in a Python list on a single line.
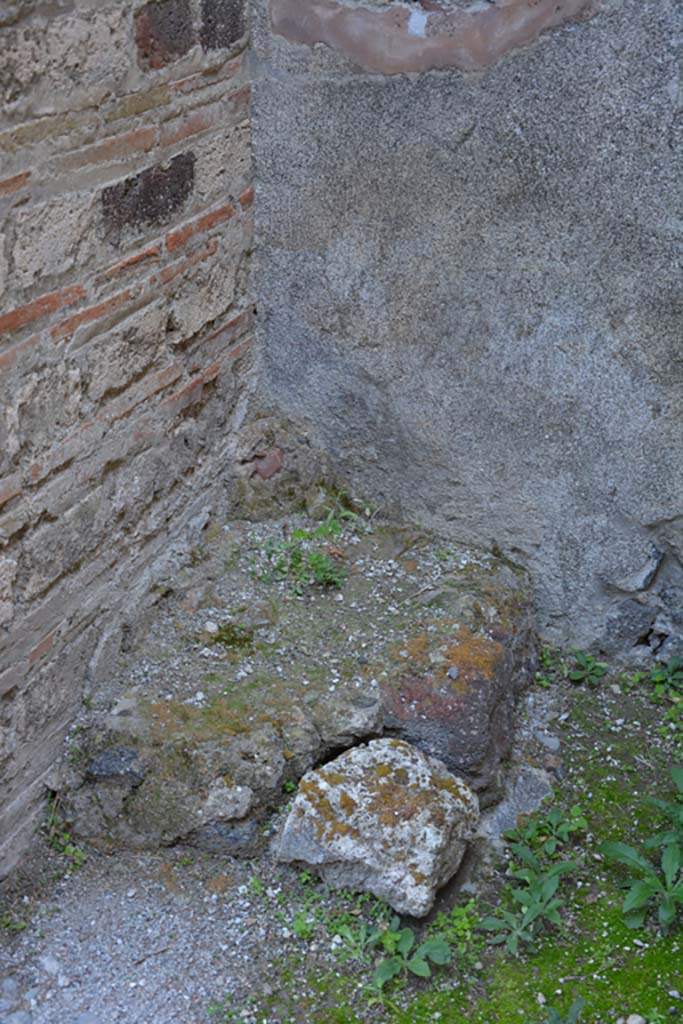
[(50, 965), (548, 741), (211, 627), (635, 1018), (9, 988)]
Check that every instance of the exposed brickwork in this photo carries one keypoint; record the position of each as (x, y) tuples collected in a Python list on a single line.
[(126, 328), (163, 32), (151, 197), (223, 23)]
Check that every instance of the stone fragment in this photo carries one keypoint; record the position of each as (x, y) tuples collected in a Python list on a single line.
[(232, 839), (225, 802), (150, 197), (118, 764), (163, 32), (453, 696), (383, 818), (223, 23)]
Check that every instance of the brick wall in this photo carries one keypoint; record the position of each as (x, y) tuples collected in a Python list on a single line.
[(125, 331)]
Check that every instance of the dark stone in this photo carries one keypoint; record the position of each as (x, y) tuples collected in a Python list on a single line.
[(149, 197), (465, 717), (236, 839), (223, 23), (163, 32), (118, 764)]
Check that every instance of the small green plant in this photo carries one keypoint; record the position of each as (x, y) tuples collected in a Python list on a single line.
[(667, 679), (295, 561), (12, 923), (303, 926), (536, 902), (289, 787), (358, 942), (571, 1017), (552, 666), (59, 838), (587, 669), (550, 832), (672, 811), (458, 928), (404, 957), (257, 887), (662, 889)]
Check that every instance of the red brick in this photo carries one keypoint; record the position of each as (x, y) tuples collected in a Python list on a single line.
[(180, 266), (10, 185), (140, 257), (175, 239), (126, 403), (234, 327), (40, 307), (247, 198), (42, 648), (193, 124), (139, 141), (191, 392), (67, 327)]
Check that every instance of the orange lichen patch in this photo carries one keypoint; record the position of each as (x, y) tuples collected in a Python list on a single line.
[(417, 646), (333, 778), (475, 656), (410, 566), (393, 805), (382, 770), (347, 803), (328, 825), (451, 785)]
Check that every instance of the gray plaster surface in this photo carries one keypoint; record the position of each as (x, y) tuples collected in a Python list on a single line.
[(470, 291)]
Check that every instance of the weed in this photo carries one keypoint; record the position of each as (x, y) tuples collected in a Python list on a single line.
[(403, 957), (257, 887), (552, 666), (667, 683), (233, 636), (662, 888), (358, 942), (289, 787), (12, 923), (550, 832), (59, 838), (458, 928), (303, 926), (673, 812), (537, 903), (587, 669), (572, 1016)]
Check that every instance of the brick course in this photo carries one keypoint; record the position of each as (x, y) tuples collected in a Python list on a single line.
[(126, 325)]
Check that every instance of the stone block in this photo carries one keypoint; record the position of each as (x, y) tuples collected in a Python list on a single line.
[(163, 32), (148, 198), (223, 23)]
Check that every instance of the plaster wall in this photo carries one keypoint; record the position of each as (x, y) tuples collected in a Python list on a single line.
[(469, 234)]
